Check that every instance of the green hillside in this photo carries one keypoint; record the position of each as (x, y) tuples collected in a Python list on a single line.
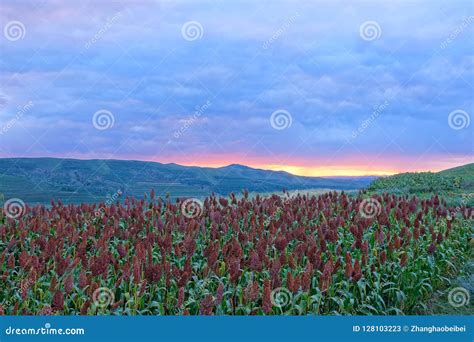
[(38, 180), (465, 173), (456, 184)]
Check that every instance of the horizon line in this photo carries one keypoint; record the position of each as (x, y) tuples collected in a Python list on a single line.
[(268, 167)]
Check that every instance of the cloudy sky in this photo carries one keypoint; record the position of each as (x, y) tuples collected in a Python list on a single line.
[(311, 87)]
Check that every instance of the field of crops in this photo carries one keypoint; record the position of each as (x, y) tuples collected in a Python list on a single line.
[(326, 254)]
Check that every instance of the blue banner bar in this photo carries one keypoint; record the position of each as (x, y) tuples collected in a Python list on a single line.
[(238, 329)]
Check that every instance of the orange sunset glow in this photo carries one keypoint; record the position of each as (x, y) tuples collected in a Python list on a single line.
[(383, 166)]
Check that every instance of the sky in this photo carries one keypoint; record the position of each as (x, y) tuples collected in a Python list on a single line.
[(315, 88)]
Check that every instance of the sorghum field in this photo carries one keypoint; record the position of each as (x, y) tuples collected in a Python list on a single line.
[(331, 254)]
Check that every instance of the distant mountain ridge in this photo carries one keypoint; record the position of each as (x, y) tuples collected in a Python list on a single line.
[(38, 180)]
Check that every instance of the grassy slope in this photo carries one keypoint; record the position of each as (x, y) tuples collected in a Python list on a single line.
[(465, 173), (455, 185), (37, 180)]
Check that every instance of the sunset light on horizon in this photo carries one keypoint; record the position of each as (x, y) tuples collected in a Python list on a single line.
[(362, 166), (336, 169)]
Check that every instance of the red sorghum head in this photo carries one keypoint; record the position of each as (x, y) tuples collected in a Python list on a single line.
[(57, 303), (266, 300)]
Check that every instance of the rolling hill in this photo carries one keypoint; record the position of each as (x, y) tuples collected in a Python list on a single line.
[(38, 180), (464, 173), (456, 184)]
